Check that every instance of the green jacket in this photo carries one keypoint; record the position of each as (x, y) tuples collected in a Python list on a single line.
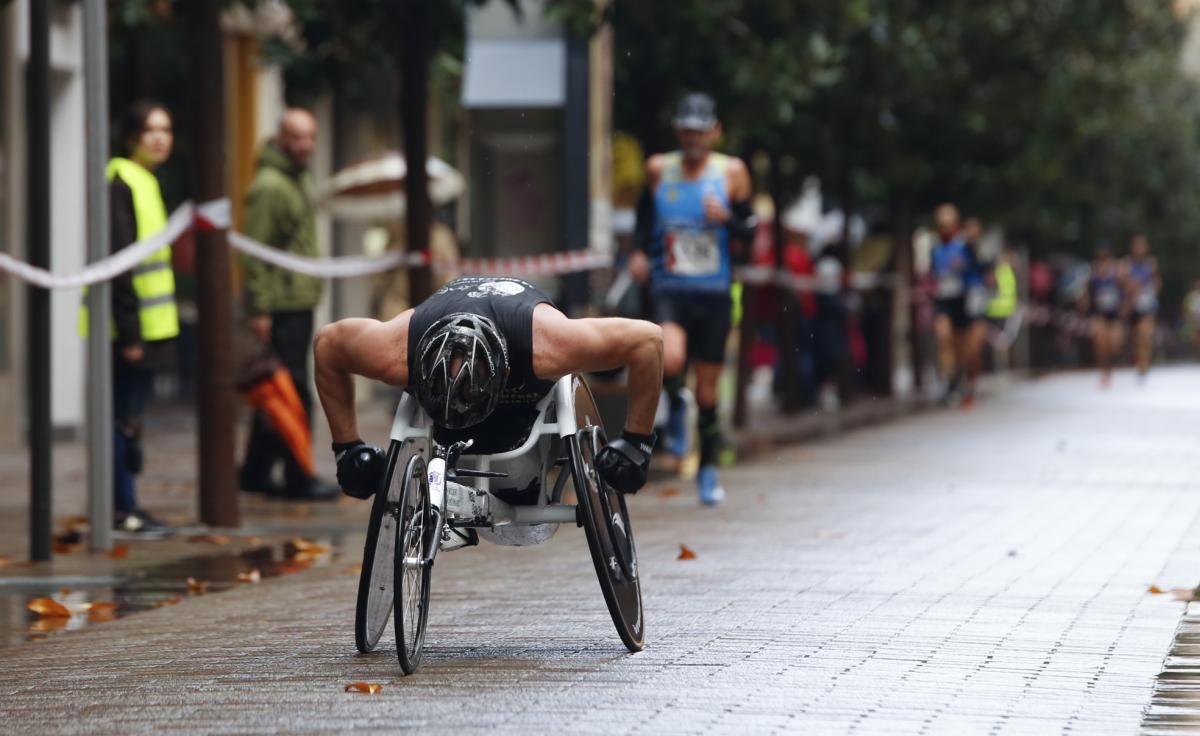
[(280, 213)]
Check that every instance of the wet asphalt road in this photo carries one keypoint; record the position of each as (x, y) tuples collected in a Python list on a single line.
[(955, 572)]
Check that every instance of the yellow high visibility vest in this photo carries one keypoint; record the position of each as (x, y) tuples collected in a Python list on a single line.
[(153, 278), (1005, 302)]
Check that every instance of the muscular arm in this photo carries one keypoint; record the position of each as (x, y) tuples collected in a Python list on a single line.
[(562, 346), (357, 347)]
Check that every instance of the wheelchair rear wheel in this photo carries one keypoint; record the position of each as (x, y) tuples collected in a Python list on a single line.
[(375, 580), (416, 538), (606, 521)]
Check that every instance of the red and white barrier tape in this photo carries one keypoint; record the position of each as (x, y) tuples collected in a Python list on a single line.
[(216, 215)]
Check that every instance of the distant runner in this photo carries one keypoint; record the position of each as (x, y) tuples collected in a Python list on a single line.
[(960, 297), (1106, 302), (695, 209), (1143, 283)]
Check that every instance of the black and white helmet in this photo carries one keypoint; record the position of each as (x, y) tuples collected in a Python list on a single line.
[(462, 365)]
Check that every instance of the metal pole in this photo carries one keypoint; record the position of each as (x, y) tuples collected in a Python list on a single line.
[(37, 115), (414, 88), (99, 387), (218, 487)]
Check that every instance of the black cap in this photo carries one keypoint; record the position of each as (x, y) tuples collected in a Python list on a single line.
[(696, 111)]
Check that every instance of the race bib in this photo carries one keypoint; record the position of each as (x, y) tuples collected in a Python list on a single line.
[(1147, 300), (977, 301), (693, 253), (1108, 299), (949, 286)]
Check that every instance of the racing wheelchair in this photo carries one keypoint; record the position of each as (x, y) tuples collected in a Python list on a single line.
[(514, 495)]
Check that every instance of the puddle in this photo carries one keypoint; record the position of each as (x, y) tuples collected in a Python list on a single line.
[(91, 601), (1175, 706)]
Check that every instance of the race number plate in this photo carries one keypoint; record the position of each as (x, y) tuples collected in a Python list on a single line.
[(949, 286), (694, 253), (1108, 299), (1147, 300)]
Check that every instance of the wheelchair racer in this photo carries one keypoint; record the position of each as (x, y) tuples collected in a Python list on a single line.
[(477, 350)]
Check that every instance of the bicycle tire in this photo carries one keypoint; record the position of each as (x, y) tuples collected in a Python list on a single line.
[(413, 565), (375, 594), (603, 511)]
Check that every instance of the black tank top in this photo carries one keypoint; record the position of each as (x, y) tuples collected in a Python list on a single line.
[(509, 303)]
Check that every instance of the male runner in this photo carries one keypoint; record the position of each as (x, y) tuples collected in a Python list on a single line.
[(479, 354), (1142, 285), (1106, 301), (960, 299), (694, 211)]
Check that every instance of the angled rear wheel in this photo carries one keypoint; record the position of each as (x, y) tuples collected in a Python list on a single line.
[(375, 580)]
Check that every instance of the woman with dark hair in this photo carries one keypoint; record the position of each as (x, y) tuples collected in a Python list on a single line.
[(144, 316)]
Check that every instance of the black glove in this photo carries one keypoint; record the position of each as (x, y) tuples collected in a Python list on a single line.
[(624, 463), (360, 467)]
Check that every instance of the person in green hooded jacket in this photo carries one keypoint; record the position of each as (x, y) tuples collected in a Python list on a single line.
[(279, 303)]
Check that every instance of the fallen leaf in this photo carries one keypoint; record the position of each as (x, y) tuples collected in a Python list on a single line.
[(48, 608), (685, 553), (249, 577), (199, 587), (303, 549), (168, 601), (100, 617), (101, 607), (1186, 595), (218, 539), (669, 492), (353, 569), (364, 687), (1155, 590), (119, 552), (48, 625)]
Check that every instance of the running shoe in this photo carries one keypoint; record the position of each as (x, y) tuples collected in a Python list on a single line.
[(143, 524), (709, 486)]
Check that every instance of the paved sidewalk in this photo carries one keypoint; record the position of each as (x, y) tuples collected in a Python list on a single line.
[(955, 572)]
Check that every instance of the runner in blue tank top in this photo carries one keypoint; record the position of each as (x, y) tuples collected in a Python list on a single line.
[(694, 222), (1142, 286), (1106, 302), (960, 298)]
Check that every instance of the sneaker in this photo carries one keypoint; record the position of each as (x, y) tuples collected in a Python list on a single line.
[(709, 486), (142, 524)]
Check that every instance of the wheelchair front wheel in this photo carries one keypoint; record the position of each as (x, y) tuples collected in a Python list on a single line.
[(609, 533), (416, 539)]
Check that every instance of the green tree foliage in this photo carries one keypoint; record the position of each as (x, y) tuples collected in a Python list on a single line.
[(1067, 121)]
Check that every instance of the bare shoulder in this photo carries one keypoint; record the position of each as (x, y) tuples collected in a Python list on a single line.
[(551, 340)]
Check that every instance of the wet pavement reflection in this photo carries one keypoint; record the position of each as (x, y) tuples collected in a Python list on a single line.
[(33, 608)]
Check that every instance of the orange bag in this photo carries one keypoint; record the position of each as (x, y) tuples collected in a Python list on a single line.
[(267, 386)]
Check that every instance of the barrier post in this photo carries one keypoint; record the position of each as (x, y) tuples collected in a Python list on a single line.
[(215, 410), (37, 329), (99, 346)]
